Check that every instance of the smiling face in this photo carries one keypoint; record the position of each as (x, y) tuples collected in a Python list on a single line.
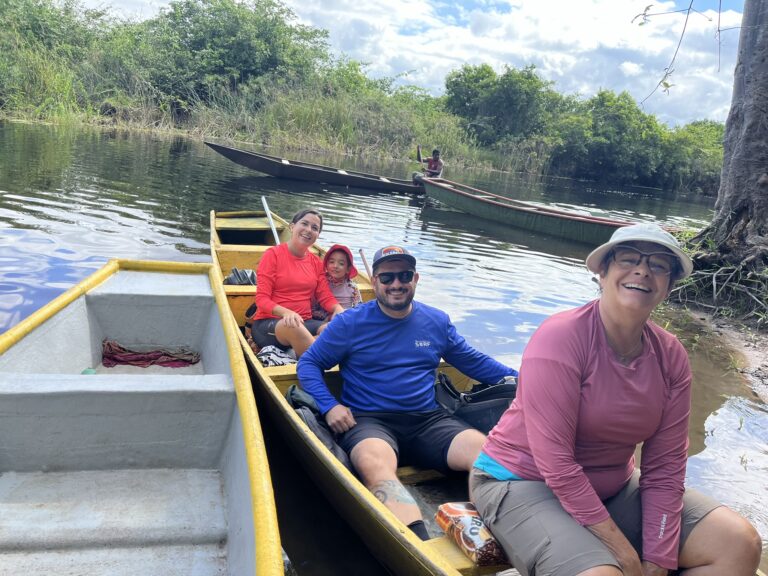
[(634, 288), (304, 232), (395, 298), (337, 265)]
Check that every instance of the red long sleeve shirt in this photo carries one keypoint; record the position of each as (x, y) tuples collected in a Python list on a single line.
[(285, 280)]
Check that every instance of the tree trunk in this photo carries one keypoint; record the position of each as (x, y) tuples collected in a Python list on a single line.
[(739, 231)]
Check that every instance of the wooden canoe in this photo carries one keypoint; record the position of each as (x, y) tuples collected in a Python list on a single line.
[(239, 239), (133, 470), (295, 170), (592, 230)]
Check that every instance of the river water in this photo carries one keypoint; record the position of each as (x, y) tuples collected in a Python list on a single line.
[(70, 199)]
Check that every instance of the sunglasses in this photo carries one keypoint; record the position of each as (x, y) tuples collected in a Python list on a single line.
[(405, 277), (659, 263)]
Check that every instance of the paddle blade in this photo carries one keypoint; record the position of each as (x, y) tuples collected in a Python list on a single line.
[(418, 152)]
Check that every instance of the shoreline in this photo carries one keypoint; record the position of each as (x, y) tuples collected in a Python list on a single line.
[(750, 346)]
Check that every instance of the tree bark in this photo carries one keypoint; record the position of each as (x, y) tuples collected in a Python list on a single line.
[(738, 233)]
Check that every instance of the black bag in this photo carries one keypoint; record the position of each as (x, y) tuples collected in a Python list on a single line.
[(241, 277), (482, 406), (307, 409)]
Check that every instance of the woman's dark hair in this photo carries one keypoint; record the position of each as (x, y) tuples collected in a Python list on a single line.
[(301, 213)]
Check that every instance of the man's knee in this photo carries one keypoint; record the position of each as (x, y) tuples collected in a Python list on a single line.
[(464, 449), (374, 460)]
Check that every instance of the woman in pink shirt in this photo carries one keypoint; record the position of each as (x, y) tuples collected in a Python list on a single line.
[(288, 277), (556, 481)]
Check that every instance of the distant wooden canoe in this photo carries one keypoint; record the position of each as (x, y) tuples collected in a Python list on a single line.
[(239, 239), (592, 230), (127, 469), (295, 170)]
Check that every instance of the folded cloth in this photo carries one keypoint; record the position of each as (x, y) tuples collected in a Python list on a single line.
[(113, 354), (274, 356)]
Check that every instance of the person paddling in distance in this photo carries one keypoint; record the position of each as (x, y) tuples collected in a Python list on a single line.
[(556, 481), (388, 351), (289, 277), (434, 165)]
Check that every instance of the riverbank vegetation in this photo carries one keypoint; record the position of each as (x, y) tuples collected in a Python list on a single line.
[(247, 71)]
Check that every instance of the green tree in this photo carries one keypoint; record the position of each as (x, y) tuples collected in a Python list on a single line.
[(626, 142), (692, 156), (467, 87), (196, 46)]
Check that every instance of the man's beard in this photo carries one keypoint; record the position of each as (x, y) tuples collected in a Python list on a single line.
[(382, 300)]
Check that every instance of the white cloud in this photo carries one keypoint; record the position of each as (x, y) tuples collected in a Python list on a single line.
[(581, 46), (631, 68)]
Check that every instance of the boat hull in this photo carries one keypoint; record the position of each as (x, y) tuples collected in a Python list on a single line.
[(584, 229), (304, 171), (133, 469)]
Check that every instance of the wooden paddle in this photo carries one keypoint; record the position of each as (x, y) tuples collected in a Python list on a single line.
[(271, 222), (365, 263), (418, 153)]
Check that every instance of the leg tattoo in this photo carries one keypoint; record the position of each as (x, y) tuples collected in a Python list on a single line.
[(391, 491)]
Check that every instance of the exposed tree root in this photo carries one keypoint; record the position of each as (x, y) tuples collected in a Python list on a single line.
[(739, 292)]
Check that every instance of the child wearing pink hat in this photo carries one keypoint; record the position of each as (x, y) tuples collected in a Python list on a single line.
[(339, 271)]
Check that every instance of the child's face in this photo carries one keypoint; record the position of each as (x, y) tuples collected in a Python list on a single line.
[(337, 266)]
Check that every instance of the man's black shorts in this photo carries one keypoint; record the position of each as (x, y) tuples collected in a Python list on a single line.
[(418, 438)]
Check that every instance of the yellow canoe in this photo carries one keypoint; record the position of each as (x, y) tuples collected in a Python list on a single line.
[(238, 239), (128, 469)]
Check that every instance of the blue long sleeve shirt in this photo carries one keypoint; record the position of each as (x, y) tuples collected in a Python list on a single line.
[(388, 364)]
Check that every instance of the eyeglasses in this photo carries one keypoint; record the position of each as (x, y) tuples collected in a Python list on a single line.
[(659, 263), (405, 277)]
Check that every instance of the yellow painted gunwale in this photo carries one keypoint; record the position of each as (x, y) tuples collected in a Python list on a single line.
[(269, 556)]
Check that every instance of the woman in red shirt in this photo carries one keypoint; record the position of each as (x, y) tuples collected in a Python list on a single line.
[(288, 277)]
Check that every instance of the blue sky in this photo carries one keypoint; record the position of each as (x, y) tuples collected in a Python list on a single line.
[(582, 46)]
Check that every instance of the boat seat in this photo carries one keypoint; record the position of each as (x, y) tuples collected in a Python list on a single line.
[(117, 522), (410, 475), (60, 422)]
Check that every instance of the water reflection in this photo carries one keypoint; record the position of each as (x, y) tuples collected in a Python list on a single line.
[(71, 199), (733, 468)]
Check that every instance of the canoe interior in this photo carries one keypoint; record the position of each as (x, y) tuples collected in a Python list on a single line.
[(239, 240), (126, 470)]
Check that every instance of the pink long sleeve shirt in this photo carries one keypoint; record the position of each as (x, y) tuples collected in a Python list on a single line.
[(579, 414)]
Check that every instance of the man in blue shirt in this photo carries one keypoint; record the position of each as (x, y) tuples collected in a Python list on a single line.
[(388, 351)]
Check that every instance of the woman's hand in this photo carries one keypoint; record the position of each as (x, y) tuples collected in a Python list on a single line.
[(336, 310), (610, 535), (340, 418), (292, 320), (651, 569)]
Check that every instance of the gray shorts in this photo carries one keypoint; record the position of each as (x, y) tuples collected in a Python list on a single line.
[(540, 537)]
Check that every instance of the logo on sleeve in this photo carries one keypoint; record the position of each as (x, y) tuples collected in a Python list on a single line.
[(423, 343)]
